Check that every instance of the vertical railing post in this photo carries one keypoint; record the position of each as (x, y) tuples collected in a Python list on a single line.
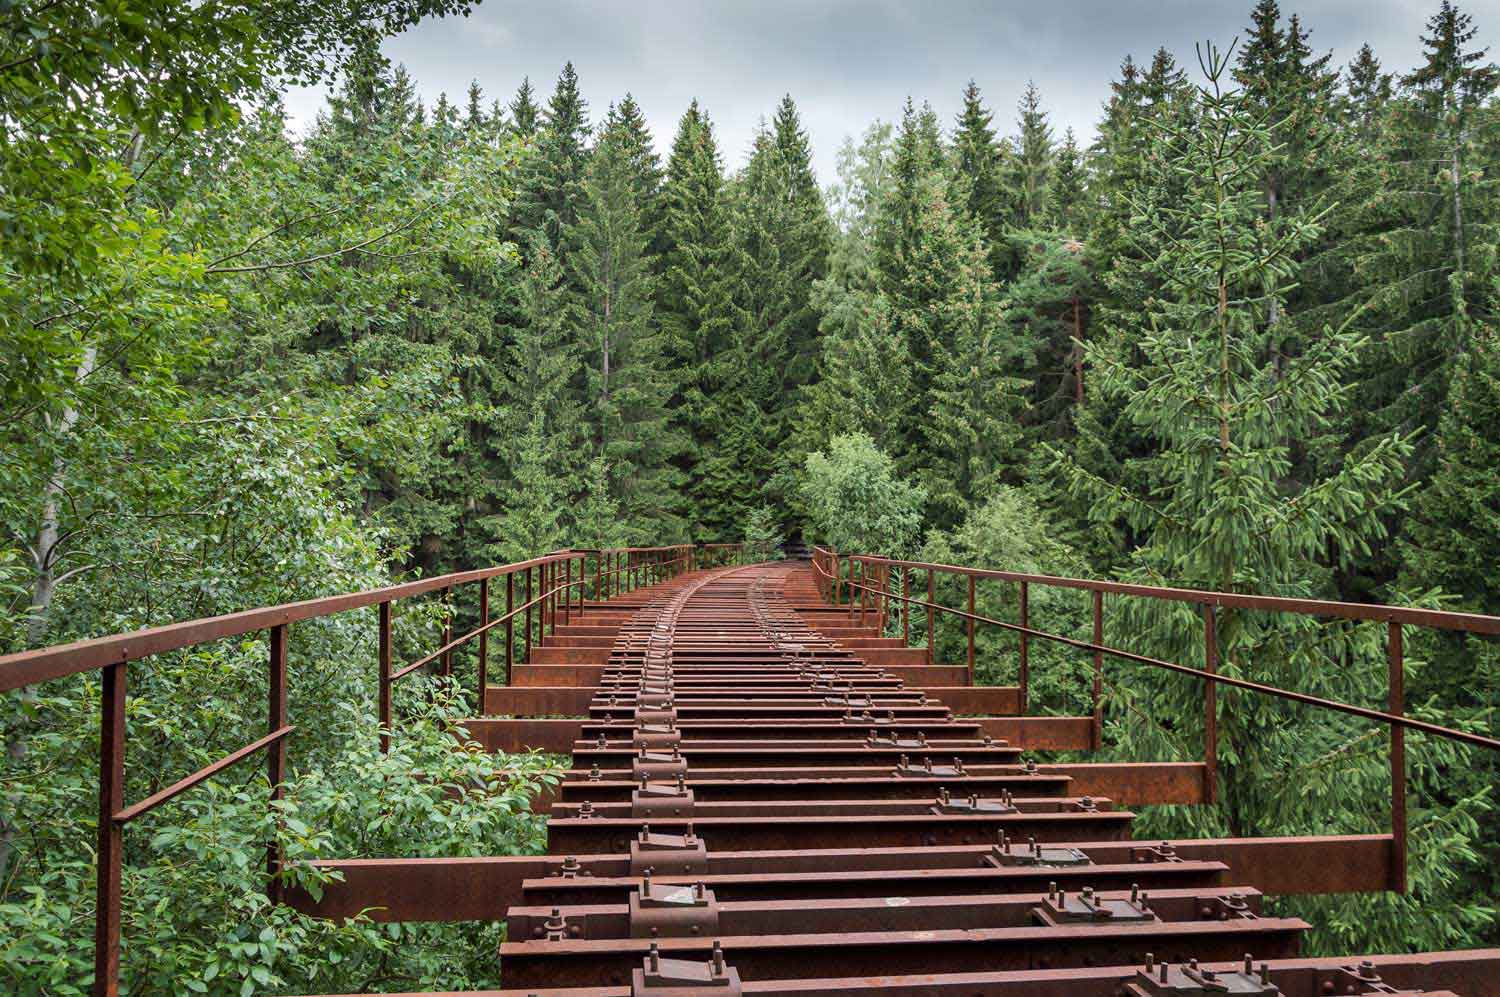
[(583, 566), (1396, 706), (276, 752), (836, 579), (1096, 737), (510, 623), (931, 617), (1210, 705), (110, 832), (905, 606), (1025, 677), (385, 677), (527, 635), (484, 642), (861, 591), (971, 629), (544, 593), (567, 591), (447, 660), (598, 575)]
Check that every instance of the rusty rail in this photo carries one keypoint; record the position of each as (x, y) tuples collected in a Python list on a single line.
[(555, 583), (826, 567)]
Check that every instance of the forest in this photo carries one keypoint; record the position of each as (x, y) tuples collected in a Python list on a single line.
[(1242, 338)]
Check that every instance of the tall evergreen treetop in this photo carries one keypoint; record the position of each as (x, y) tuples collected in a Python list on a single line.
[(1033, 164), (548, 198), (524, 114)]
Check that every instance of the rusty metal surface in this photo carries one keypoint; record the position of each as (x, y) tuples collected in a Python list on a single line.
[(764, 785)]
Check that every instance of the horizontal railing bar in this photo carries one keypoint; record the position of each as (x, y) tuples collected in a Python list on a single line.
[(45, 664), (157, 799), (1440, 619), (1221, 679), (497, 621)]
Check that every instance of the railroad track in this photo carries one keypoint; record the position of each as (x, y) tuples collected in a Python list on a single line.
[(753, 808)]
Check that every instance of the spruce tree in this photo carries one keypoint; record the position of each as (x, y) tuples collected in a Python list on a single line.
[(537, 407), (474, 118), (783, 239), (967, 427), (1451, 545), (612, 290), (600, 523), (1067, 207), (547, 199), (1217, 509), (917, 163), (532, 523), (1428, 224), (1031, 170), (701, 322), (626, 125), (1368, 91), (977, 156), (524, 114)]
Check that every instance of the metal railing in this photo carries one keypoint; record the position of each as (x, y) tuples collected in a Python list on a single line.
[(721, 554), (866, 579), (550, 584)]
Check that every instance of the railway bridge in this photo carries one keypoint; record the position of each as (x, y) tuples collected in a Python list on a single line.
[(773, 788)]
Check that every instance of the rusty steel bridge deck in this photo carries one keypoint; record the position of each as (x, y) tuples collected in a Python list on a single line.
[(772, 793), (769, 796)]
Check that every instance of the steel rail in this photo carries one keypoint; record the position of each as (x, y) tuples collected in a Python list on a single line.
[(1214, 677)]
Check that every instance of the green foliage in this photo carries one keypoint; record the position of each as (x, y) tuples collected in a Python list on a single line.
[(856, 502), (763, 537), (1011, 532)]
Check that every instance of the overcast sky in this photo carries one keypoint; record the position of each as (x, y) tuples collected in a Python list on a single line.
[(847, 63)]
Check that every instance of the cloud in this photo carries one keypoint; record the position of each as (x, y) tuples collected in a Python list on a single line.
[(847, 63)]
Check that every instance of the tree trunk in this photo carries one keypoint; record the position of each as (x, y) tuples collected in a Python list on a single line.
[(44, 557)]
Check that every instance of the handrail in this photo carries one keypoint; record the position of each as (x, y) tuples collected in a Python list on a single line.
[(1440, 619), (45, 664), (110, 655), (1296, 697), (869, 567)]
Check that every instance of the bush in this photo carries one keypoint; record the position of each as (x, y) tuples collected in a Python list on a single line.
[(856, 502), (763, 536)]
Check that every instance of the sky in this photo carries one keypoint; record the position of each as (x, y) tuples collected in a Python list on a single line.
[(847, 63)]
